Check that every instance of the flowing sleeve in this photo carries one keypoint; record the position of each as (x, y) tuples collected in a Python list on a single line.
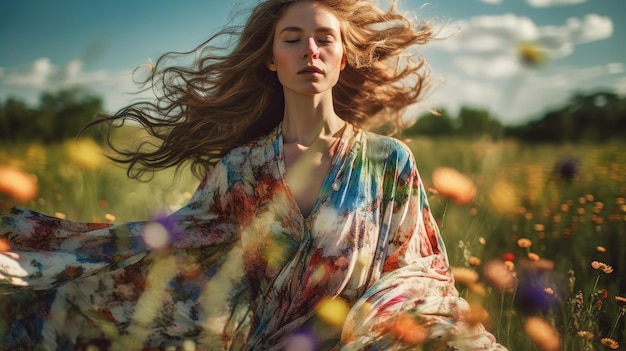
[(47, 251), (415, 279)]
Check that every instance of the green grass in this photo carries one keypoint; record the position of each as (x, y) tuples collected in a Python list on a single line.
[(577, 215)]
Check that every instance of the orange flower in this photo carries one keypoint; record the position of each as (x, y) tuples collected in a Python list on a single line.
[(601, 248), (621, 301), (454, 185), (464, 276), (610, 343), (474, 261), (533, 256), (476, 314), (539, 227), (585, 334), (524, 243), (408, 330), (543, 334), (5, 246), (17, 184), (597, 265)]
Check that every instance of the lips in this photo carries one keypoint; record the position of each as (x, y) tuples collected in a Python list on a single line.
[(310, 69)]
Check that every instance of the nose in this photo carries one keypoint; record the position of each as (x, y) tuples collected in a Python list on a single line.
[(312, 49)]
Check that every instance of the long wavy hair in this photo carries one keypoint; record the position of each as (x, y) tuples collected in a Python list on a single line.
[(228, 97)]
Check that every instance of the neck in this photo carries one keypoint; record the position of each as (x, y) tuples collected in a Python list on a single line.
[(309, 118)]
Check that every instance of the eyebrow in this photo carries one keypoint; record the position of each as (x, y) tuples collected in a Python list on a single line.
[(298, 30)]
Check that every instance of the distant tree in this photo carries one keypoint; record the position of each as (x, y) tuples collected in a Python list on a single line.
[(473, 122), (59, 116), (15, 119), (430, 124), (595, 117)]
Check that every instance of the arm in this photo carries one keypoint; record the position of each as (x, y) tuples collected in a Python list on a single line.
[(415, 278), (48, 251)]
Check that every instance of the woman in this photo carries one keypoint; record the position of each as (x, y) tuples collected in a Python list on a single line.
[(298, 205)]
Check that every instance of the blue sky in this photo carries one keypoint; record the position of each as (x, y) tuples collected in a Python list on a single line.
[(47, 45)]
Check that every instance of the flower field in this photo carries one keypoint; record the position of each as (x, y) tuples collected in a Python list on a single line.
[(536, 234)]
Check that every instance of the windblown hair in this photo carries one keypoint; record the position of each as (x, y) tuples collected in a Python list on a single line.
[(229, 97)]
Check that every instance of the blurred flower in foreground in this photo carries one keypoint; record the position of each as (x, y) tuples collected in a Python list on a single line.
[(532, 53), (18, 184), (477, 314), (333, 311), (5, 246), (566, 169), (503, 198), (408, 330), (499, 275), (301, 341), (454, 185), (543, 334), (155, 235), (85, 153)]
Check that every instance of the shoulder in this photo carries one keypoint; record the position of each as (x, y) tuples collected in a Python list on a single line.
[(388, 148)]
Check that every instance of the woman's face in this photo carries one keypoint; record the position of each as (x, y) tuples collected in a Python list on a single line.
[(307, 53)]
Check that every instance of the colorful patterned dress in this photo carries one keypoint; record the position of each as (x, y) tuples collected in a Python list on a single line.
[(239, 267)]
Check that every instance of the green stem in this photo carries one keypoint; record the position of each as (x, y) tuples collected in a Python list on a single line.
[(443, 215), (621, 313)]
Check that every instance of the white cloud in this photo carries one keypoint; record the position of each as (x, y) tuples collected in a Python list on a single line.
[(614, 68), (488, 44), (620, 86), (27, 81), (489, 67), (493, 2), (548, 3)]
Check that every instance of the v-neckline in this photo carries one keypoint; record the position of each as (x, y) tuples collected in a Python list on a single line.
[(329, 177)]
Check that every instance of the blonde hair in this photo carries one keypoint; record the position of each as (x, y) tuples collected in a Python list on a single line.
[(224, 100)]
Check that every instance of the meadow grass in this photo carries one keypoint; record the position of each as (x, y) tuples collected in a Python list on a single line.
[(567, 200)]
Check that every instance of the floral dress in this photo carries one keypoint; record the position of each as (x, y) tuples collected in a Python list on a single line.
[(239, 267)]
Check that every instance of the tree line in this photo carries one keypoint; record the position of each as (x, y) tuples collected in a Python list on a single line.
[(593, 117)]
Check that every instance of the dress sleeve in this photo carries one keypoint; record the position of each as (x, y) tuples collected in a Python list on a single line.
[(415, 279), (47, 251)]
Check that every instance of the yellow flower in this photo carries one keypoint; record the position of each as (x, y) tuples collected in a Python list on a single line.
[(539, 227), (524, 243), (532, 53), (333, 311), (503, 198), (585, 334), (86, 153), (610, 343)]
